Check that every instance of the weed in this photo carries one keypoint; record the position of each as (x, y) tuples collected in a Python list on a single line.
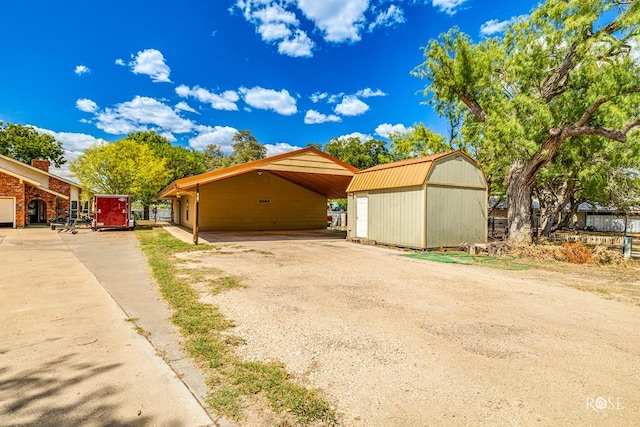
[(230, 380)]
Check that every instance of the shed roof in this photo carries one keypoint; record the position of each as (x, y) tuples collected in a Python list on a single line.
[(405, 173), (308, 167)]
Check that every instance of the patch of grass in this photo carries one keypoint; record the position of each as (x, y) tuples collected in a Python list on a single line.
[(502, 263), (142, 331), (225, 283), (230, 380), (597, 289), (256, 251)]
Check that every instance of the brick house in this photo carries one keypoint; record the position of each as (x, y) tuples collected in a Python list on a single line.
[(31, 195)]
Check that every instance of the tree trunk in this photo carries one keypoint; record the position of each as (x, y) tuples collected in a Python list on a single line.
[(145, 212), (519, 200)]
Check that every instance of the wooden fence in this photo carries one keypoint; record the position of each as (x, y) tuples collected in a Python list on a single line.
[(588, 239)]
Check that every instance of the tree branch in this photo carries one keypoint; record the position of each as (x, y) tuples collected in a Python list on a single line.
[(591, 111), (473, 105), (549, 86)]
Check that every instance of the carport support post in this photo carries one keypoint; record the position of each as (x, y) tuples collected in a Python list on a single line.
[(197, 219)]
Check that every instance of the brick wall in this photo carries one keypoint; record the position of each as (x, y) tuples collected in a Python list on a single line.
[(62, 188), (11, 186), (43, 165)]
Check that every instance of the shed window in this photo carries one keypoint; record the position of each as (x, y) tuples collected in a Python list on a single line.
[(187, 210)]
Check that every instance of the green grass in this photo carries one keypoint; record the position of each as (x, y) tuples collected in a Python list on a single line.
[(502, 263), (231, 381)]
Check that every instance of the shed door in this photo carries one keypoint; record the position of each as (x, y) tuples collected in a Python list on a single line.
[(362, 211), (6, 212)]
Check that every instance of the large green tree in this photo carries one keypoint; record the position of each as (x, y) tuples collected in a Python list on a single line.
[(246, 148), (121, 167), (358, 153), (418, 141), (181, 162), (566, 72), (24, 144), (214, 157)]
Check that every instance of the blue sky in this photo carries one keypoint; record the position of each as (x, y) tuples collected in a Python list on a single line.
[(290, 71)]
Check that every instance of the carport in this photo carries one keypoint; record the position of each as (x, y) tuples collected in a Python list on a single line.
[(284, 192)]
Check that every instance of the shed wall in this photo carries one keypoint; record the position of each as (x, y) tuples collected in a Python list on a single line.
[(260, 202), (455, 215), (456, 170), (396, 216)]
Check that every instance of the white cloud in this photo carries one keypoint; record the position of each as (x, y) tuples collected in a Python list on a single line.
[(86, 105), (279, 148), (448, 6), (313, 117), (339, 20), (392, 16), (494, 26), (298, 45), (368, 93), (183, 106), (82, 69), (272, 31), (317, 97), (385, 129), (333, 99), (225, 101), (276, 25), (268, 99), (120, 62), (363, 137), (218, 135), (71, 141), (151, 62), (140, 114), (351, 106), (73, 144)]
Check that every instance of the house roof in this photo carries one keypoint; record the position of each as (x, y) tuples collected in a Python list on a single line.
[(308, 167), (29, 167), (405, 173)]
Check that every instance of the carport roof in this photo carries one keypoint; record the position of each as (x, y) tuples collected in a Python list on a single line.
[(308, 167)]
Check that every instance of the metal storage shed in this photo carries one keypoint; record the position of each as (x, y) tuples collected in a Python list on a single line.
[(427, 202), (284, 192)]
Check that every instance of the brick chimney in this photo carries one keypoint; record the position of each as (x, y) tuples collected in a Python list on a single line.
[(40, 164)]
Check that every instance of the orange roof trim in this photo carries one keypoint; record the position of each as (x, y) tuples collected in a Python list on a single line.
[(303, 161)]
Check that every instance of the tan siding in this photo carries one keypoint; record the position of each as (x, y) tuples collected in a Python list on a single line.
[(396, 216), (456, 215), (260, 202), (308, 163), (456, 169), (187, 203)]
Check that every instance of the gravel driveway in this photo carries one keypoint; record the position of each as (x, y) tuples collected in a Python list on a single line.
[(394, 341)]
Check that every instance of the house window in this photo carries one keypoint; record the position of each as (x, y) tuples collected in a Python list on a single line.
[(74, 209), (187, 210)]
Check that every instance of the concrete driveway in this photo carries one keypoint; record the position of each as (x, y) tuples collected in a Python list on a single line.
[(69, 353)]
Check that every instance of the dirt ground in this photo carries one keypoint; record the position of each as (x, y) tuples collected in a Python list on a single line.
[(394, 341)]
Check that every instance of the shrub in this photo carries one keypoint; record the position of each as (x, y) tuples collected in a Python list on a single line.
[(576, 253)]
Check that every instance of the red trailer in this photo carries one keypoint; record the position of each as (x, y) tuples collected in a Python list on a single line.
[(112, 211)]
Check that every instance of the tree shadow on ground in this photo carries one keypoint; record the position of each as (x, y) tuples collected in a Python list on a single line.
[(63, 392)]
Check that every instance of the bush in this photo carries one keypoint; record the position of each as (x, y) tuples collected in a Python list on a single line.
[(576, 253)]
